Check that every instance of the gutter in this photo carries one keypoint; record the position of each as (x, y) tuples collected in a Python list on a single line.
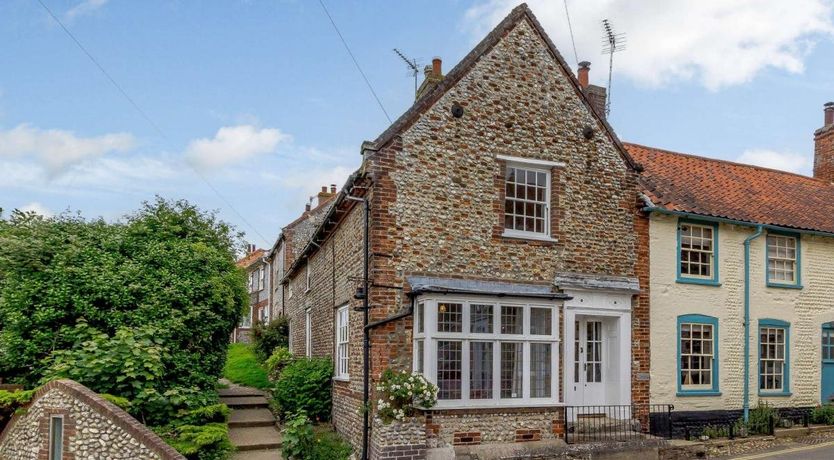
[(743, 223), (746, 404)]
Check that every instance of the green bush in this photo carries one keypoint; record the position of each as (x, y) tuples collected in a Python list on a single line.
[(204, 442), (401, 393), (10, 401), (268, 337), (298, 439), (122, 403), (277, 361), (329, 446), (761, 418), (304, 385), (823, 414), (169, 266), (244, 368)]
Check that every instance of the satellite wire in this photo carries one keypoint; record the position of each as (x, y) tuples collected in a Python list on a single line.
[(355, 62), (570, 28), (148, 119)]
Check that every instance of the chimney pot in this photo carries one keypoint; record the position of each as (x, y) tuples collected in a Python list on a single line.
[(824, 147), (829, 113), (323, 189), (307, 207), (436, 66), (332, 188), (584, 70)]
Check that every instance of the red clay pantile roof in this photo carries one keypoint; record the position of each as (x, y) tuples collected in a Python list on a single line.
[(717, 188), (250, 258)]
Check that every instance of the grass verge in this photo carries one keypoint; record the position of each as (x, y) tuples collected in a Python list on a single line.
[(242, 367)]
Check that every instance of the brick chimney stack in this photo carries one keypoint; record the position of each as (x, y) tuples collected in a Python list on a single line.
[(824, 146), (434, 75), (324, 194), (596, 94)]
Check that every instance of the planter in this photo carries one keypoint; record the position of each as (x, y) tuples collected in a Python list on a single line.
[(404, 440)]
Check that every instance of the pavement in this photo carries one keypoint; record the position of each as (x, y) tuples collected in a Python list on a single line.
[(794, 451)]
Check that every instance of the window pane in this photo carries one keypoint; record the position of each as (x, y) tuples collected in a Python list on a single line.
[(56, 441), (512, 320), (480, 370), (449, 317), (540, 360), (480, 318), (511, 369), (449, 369), (541, 321), (420, 354), (525, 200), (420, 317)]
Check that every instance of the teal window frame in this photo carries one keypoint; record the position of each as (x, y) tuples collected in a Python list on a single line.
[(797, 284), (827, 327), (786, 377), (682, 278), (699, 319)]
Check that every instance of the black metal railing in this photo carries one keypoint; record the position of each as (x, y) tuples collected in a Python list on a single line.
[(737, 428), (617, 423)]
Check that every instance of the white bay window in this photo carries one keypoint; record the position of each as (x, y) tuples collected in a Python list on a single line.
[(488, 351)]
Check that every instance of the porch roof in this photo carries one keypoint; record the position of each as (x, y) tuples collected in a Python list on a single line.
[(426, 284)]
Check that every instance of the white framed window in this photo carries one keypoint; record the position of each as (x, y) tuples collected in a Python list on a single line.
[(261, 278), (526, 201), (308, 333), (697, 353), (263, 315), (342, 329), (487, 351), (774, 357), (782, 259), (696, 251), (56, 437), (250, 287), (246, 321), (307, 277), (289, 334), (289, 288)]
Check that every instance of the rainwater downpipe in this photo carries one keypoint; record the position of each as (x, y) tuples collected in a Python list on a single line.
[(746, 405), (366, 341)]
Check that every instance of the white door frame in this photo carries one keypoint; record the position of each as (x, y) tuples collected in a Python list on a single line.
[(608, 304)]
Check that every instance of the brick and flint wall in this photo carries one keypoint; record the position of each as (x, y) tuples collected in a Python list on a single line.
[(437, 209)]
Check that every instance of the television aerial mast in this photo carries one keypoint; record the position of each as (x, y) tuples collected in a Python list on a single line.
[(612, 42), (413, 66)]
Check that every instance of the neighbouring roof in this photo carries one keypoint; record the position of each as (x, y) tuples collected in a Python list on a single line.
[(251, 258), (420, 284), (717, 188)]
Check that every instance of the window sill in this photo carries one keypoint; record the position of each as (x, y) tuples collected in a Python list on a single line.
[(775, 394), (498, 406), (684, 393), (784, 286), (697, 281), (341, 379), (527, 236)]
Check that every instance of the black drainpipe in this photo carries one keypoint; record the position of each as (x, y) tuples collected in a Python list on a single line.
[(366, 348)]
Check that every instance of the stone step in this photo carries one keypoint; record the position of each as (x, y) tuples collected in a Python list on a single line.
[(270, 454), (235, 402), (251, 417), (239, 391), (255, 438)]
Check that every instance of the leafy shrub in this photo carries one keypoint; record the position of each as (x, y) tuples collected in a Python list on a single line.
[(215, 413), (122, 365), (298, 439), (204, 442), (268, 337), (277, 361), (243, 367), (304, 385), (329, 446), (155, 408), (401, 393), (10, 401), (762, 418), (823, 414), (169, 265)]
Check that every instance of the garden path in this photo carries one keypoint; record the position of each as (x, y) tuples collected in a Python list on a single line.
[(252, 427)]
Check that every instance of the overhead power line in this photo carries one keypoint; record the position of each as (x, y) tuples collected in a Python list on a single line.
[(355, 62), (570, 28), (149, 120)]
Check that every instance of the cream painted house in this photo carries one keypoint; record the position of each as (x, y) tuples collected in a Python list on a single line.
[(729, 245)]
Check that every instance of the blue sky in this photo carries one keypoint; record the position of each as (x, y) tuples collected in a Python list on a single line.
[(263, 100)]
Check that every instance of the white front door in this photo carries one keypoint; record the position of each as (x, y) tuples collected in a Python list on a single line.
[(589, 366)]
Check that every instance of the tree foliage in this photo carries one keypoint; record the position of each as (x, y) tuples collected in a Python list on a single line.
[(160, 283)]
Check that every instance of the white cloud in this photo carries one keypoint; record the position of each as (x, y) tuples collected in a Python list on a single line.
[(785, 161), (714, 42), (233, 144), (55, 149), (37, 208), (83, 8)]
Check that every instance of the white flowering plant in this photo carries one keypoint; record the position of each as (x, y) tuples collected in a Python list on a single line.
[(401, 393)]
